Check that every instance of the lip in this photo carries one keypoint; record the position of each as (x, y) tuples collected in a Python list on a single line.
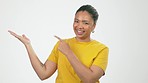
[(80, 32)]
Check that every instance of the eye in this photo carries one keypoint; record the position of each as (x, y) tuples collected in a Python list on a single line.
[(76, 21), (86, 23)]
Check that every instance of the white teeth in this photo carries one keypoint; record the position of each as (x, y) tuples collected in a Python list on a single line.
[(80, 31)]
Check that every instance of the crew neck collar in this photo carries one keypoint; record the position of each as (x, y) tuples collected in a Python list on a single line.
[(83, 41)]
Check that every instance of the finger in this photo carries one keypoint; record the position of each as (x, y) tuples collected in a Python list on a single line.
[(12, 33), (58, 38), (25, 37)]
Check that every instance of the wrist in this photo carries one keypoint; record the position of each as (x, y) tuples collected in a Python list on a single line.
[(27, 44)]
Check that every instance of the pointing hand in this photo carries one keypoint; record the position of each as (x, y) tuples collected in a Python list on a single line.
[(63, 46)]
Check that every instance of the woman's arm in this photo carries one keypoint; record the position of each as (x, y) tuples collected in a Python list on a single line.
[(87, 75), (43, 70)]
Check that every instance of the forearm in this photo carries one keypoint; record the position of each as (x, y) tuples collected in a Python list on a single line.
[(42, 70), (84, 73), (35, 62), (87, 75)]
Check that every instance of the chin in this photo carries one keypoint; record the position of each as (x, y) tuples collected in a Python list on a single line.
[(80, 37)]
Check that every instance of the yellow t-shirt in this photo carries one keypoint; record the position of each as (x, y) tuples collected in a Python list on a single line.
[(89, 53)]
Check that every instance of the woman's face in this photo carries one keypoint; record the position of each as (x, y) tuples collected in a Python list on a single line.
[(83, 25)]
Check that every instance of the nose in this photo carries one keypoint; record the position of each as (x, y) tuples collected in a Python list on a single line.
[(80, 25)]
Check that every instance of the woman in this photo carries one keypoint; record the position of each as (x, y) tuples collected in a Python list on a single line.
[(78, 59)]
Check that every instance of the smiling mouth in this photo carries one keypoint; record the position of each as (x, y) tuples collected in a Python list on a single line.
[(80, 32)]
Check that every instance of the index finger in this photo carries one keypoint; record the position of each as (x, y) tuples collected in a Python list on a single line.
[(58, 38)]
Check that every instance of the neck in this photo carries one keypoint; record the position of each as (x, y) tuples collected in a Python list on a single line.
[(83, 39)]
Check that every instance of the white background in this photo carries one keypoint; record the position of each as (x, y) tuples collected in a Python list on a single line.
[(122, 26)]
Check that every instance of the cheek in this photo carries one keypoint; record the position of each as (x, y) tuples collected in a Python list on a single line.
[(74, 26), (89, 29)]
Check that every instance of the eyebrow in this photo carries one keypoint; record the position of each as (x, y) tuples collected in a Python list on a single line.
[(82, 20), (85, 21)]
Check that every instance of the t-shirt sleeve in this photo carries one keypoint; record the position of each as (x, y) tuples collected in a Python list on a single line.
[(54, 54), (102, 59)]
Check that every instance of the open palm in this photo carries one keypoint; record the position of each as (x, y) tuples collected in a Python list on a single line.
[(22, 38)]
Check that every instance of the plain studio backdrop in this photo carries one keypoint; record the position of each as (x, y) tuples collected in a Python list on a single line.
[(122, 26)]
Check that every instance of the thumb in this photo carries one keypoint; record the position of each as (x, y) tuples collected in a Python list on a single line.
[(25, 37)]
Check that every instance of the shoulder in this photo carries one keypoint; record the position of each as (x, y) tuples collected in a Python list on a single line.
[(69, 39), (99, 45)]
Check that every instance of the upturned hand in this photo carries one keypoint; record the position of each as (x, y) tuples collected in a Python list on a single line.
[(22, 38)]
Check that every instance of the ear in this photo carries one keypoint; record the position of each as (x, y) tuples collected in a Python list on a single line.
[(94, 26)]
